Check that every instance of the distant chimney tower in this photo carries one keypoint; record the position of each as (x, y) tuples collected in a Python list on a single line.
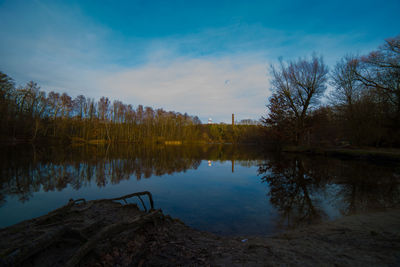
[(233, 119)]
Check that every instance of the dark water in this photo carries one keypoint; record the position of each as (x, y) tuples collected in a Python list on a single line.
[(223, 189)]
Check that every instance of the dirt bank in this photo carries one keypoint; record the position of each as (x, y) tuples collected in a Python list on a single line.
[(107, 233)]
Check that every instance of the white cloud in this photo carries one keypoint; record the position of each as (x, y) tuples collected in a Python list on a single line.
[(197, 86), (76, 56), (211, 73)]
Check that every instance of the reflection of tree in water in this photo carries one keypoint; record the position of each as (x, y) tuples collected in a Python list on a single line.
[(298, 185), (2, 199), (27, 169), (365, 187), (295, 187)]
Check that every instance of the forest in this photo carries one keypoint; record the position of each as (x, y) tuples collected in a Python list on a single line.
[(361, 107), (29, 114)]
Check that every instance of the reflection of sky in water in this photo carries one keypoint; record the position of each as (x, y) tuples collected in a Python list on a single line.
[(222, 196), (210, 198), (332, 203)]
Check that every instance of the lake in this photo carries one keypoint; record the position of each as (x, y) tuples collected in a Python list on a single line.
[(225, 189)]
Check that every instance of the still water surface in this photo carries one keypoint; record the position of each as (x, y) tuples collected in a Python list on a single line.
[(223, 189)]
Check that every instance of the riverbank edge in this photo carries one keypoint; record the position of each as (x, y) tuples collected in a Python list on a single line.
[(367, 153), (371, 239), (101, 142)]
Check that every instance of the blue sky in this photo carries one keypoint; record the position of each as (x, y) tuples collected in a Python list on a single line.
[(207, 58)]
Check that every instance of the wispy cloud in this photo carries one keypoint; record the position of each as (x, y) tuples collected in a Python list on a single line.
[(197, 86), (212, 72)]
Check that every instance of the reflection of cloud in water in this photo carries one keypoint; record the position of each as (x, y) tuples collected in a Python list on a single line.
[(27, 169), (300, 190)]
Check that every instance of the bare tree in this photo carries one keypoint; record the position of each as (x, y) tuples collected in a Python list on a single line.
[(7, 104), (381, 70), (79, 106), (345, 81), (103, 107), (300, 84), (66, 105)]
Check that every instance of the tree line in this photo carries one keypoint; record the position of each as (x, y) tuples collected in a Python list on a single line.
[(28, 113), (362, 107)]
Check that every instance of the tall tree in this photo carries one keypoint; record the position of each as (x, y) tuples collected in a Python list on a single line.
[(381, 70), (300, 84), (280, 119), (346, 96), (345, 81), (79, 106), (6, 103)]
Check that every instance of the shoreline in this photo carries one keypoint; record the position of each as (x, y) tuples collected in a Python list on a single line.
[(367, 153), (110, 233)]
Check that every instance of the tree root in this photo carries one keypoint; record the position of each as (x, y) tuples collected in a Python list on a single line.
[(138, 194)]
